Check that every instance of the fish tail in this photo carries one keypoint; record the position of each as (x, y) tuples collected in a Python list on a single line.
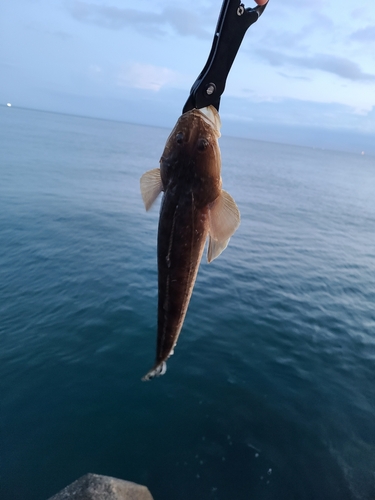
[(156, 372)]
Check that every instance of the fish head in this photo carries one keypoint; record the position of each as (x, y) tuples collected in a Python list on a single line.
[(192, 155)]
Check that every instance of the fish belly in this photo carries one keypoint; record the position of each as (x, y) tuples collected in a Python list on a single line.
[(182, 234)]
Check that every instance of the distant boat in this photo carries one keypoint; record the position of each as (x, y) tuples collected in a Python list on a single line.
[(9, 104)]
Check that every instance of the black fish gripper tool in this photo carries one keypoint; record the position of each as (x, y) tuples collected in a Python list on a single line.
[(234, 20)]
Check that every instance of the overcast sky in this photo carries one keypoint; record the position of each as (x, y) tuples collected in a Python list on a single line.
[(304, 74)]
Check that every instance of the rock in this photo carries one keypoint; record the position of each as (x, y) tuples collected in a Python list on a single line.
[(96, 487)]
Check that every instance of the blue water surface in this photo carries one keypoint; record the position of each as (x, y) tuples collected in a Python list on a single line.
[(271, 392)]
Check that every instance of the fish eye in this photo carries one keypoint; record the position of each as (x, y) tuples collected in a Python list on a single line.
[(180, 138), (202, 144)]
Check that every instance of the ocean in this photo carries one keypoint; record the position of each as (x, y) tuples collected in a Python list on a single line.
[(270, 394)]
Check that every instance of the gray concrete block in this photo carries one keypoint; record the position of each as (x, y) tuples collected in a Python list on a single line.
[(96, 487)]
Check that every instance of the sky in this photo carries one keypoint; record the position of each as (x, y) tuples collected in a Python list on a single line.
[(304, 74)]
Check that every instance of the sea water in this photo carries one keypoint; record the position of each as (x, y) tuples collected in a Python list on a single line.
[(270, 394)]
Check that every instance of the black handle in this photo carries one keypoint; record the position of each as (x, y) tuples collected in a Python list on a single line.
[(233, 22)]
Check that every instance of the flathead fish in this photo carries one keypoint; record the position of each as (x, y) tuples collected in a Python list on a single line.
[(194, 206)]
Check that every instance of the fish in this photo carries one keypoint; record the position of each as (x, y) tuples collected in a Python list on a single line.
[(194, 207)]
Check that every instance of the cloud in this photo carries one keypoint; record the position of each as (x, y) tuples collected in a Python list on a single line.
[(291, 77), (62, 35), (95, 69), (185, 22), (304, 4), (297, 35), (364, 35), (331, 64), (146, 76), (182, 21), (36, 27), (297, 112)]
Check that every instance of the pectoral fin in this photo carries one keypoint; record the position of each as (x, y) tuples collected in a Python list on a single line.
[(151, 187), (224, 219)]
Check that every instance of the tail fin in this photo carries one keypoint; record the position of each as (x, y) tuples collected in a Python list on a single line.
[(156, 372)]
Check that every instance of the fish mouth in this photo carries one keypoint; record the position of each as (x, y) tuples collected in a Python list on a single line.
[(210, 115)]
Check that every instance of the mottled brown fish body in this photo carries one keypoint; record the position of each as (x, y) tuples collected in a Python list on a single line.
[(178, 262), (190, 172), (190, 178)]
